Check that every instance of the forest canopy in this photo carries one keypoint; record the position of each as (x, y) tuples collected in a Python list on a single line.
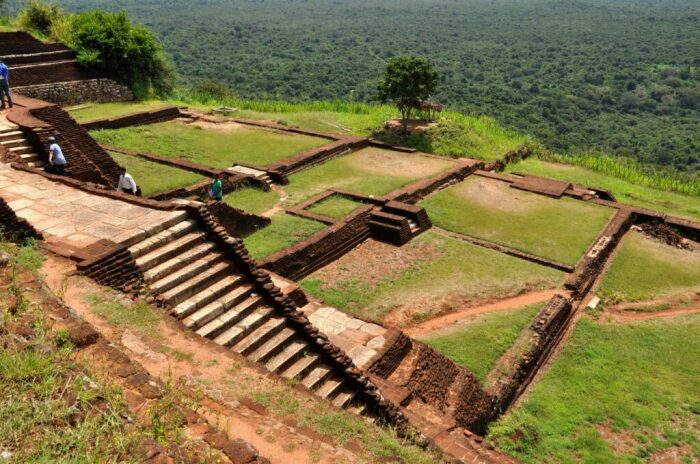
[(616, 76)]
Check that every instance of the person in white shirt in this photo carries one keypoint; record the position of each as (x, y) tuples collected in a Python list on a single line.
[(126, 183), (57, 162)]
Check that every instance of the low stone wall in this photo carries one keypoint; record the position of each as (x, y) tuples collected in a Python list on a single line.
[(590, 266), (14, 228), (134, 119), (395, 349), (416, 191), (77, 91), (237, 222), (542, 335), (26, 75), (383, 410), (316, 156), (432, 377), (110, 264), (322, 247)]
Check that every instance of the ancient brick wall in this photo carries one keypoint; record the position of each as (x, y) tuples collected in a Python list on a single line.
[(87, 161), (432, 377), (542, 335), (416, 191), (395, 349), (135, 119), (78, 91), (13, 228), (383, 410), (110, 264), (47, 73), (316, 156), (322, 247), (19, 43)]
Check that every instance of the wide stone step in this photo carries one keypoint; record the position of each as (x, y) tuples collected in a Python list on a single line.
[(162, 238), (36, 164), (260, 335), (185, 273), (162, 254), (194, 285), (273, 346), (287, 356), (21, 150), (343, 398), (177, 262), (245, 326), (301, 367), (317, 375), (11, 143), (218, 325), (330, 388), (218, 306), (28, 157), (230, 290), (11, 134)]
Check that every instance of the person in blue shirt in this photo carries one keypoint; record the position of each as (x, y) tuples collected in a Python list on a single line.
[(216, 192), (5, 85), (57, 162)]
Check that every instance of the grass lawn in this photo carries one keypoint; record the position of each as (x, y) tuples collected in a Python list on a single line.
[(335, 206), (218, 148), (617, 393), (371, 171), (646, 269), (428, 276), (110, 110), (488, 209), (285, 231), (155, 177), (625, 192), (478, 342), (252, 200)]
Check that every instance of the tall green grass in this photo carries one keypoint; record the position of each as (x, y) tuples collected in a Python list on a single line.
[(630, 170)]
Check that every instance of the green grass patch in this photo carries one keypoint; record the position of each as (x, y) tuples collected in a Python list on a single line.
[(217, 148), (639, 380), (646, 269), (371, 171), (137, 316), (335, 206), (92, 111), (155, 177), (625, 191), (284, 231), (488, 209), (252, 200), (433, 275), (478, 343)]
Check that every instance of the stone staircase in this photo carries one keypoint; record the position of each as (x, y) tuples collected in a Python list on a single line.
[(256, 173), (211, 297), (19, 148)]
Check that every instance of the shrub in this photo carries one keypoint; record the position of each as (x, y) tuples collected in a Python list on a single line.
[(129, 54), (45, 19)]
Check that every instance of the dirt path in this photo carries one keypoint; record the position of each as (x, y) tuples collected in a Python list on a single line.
[(216, 372), (628, 314), (279, 206), (500, 305)]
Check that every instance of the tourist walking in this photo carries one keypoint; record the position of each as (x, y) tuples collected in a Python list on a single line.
[(216, 192), (126, 182), (57, 162), (5, 85)]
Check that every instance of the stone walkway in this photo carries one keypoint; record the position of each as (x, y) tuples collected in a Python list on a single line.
[(66, 214)]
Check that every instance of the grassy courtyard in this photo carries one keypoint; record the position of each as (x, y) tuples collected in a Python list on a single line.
[(155, 177), (335, 206), (646, 269), (429, 276), (252, 200), (285, 231), (217, 147), (371, 171), (617, 393), (488, 209), (625, 192), (478, 342)]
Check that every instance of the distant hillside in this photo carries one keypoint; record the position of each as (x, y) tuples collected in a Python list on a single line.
[(618, 76)]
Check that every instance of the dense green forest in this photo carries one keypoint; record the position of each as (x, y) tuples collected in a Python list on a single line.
[(620, 76)]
